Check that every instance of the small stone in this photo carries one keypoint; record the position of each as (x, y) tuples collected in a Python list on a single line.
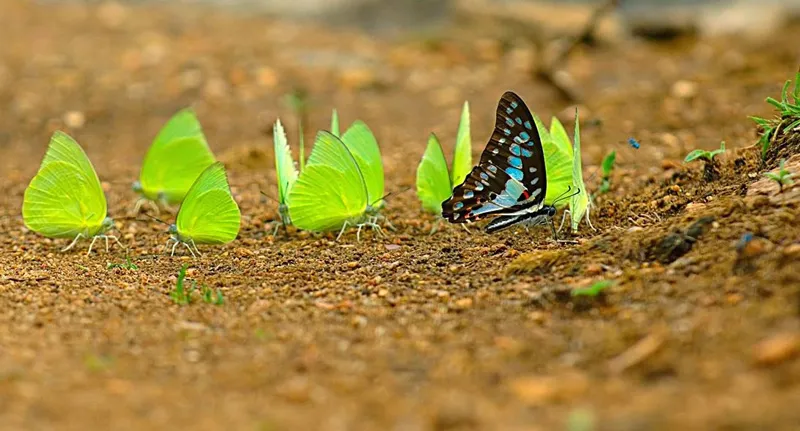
[(593, 269), (538, 390), (191, 272), (675, 189), (215, 88), (296, 390), (357, 78), (352, 265), (267, 77), (383, 292), (792, 251), (463, 303), (391, 247), (74, 119), (684, 89), (777, 349)]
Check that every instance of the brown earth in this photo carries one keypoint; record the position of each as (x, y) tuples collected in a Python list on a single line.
[(456, 330)]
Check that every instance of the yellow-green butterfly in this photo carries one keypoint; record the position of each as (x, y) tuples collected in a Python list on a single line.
[(208, 214), (176, 158), (285, 171), (341, 185), (435, 182), (564, 164), (65, 198)]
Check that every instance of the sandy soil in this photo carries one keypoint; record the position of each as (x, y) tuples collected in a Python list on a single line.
[(448, 331)]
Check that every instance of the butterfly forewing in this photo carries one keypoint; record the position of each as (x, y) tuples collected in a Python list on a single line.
[(510, 177)]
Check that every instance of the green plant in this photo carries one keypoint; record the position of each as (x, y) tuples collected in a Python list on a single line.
[(783, 177), (788, 115), (704, 155), (211, 296), (130, 266), (180, 295), (710, 172), (608, 167), (594, 290)]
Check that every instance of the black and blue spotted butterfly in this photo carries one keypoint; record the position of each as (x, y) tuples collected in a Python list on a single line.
[(510, 180)]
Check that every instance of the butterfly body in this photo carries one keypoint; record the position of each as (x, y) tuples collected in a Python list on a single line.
[(541, 217), (511, 178)]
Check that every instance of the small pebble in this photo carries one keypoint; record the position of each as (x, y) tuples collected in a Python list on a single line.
[(74, 119), (684, 89), (777, 349)]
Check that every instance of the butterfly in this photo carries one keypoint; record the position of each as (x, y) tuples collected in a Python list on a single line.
[(511, 178), (65, 198), (342, 184), (434, 181), (633, 143), (178, 155), (208, 214), (285, 171)]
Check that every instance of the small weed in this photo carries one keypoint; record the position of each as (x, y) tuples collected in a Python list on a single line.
[(85, 268), (211, 296), (180, 295), (710, 172), (298, 101), (130, 266), (787, 119), (97, 363), (783, 177), (608, 167), (594, 290)]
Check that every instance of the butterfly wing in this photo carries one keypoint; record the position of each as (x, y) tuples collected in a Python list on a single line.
[(511, 176), (578, 204), (462, 155), (208, 214), (178, 155), (285, 172), (558, 149), (65, 197), (330, 190), (433, 180), (362, 145)]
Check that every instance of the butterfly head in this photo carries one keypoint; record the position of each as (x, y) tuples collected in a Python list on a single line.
[(283, 211), (108, 224), (137, 187), (173, 229)]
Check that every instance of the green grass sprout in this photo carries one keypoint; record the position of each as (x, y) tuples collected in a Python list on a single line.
[(592, 291), (707, 156), (710, 172), (211, 296), (788, 115), (608, 167), (783, 177), (128, 265), (180, 294)]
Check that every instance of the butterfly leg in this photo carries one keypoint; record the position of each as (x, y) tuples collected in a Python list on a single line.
[(195, 248), (588, 220), (92, 244), (173, 248), (275, 230), (358, 232), (553, 228), (190, 249), (563, 218), (435, 227), (117, 241), (344, 226), (74, 241)]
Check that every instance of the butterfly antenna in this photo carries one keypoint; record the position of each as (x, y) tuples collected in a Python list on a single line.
[(391, 193), (157, 219), (563, 197), (269, 197)]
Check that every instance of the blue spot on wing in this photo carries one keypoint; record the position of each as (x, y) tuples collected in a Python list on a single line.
[(515, 173), (528, 125), (484, 175), (458, 205), (527, 153), (515, 149), (525, 136), (510, 122), (518, 120), (469, 194), (515, 162), (514, 105)]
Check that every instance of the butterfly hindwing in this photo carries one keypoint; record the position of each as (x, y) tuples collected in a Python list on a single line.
[(510, 176)]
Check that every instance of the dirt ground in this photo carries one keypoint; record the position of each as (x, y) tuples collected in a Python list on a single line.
[(452, 331)]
